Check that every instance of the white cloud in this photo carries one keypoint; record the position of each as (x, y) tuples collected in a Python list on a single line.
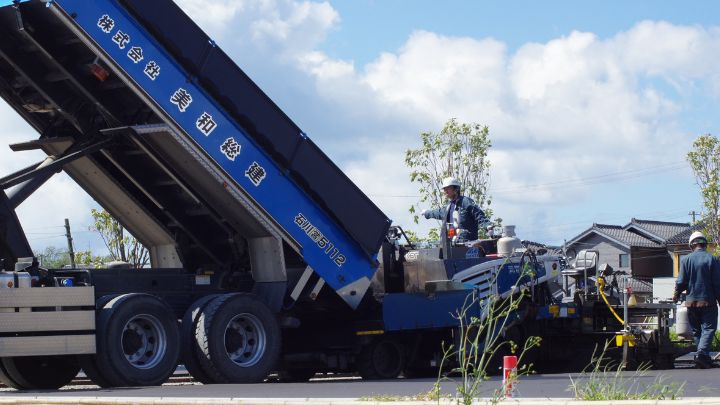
[(294, 27), (574, 107), (662, 48), (438, 77), (43, 213), (388, 187), (285, 29), (213, 16)]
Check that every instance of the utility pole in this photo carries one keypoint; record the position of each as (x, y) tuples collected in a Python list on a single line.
[(692, 213), (70, 244)]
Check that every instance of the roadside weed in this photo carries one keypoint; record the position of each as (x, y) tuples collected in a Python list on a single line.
[(605, 380), (482, 339)]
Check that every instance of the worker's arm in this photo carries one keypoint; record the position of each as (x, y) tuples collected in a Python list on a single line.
[(681, 283), (435, 214), (479, 216)]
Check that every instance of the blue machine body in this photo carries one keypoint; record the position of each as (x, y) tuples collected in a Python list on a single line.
[(340, 253), (510, 275), (421, 311), (442, 309)]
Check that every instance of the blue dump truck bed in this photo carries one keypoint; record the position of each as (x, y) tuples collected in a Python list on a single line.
[(79, 71), (203, 62)]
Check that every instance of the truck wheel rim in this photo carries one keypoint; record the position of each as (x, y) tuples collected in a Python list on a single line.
[(144, 341), (245, 340)]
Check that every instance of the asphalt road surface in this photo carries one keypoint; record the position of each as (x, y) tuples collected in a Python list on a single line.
[(698, 383)]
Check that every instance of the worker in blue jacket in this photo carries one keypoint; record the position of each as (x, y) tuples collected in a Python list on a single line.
[(700, 277), (470, 218)]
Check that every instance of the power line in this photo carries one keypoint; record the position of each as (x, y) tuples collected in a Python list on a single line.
[(576, 182), (48, 237), (603, 178)]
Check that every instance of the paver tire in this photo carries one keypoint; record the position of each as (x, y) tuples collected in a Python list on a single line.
[(239, 337), (384, 358)]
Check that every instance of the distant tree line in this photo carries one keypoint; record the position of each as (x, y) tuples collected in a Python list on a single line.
[(121, 246)]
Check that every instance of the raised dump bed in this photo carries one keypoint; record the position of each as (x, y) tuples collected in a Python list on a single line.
[(175, 141)]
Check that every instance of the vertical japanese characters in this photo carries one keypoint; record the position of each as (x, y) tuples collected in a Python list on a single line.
[(182, 99)]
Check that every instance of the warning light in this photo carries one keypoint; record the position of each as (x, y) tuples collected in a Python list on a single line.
[(99, 72)]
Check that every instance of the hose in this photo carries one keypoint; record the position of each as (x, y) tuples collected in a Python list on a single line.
[(601, 287)]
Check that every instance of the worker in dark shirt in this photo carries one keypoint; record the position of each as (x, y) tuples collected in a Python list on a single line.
[(700, 277), (470, 218)]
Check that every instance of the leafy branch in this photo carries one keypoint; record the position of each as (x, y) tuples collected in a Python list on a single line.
[(459, 150), (121, 245)]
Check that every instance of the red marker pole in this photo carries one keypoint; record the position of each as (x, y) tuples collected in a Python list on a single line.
[(509, 372)]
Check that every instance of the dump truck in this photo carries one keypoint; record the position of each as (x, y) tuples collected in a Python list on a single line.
[(265, 258)]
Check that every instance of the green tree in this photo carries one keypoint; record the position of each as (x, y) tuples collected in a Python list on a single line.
[(704, 159), (85, 258), (121, 245), (53, 257), (459, 150)]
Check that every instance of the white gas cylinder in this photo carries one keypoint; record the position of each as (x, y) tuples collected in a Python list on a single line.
[(682, 323), (508, 243)]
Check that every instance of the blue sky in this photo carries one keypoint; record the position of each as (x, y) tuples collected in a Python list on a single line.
[(372, 26), (591, 106)]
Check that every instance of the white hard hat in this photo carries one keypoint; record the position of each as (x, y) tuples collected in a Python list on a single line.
[(450, 181), (697, 235)]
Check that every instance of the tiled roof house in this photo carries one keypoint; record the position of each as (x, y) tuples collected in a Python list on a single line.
[(638, 248), (658, 231)]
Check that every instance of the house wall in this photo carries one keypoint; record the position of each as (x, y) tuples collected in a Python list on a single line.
[(651, 262), (609, 251), (677, 251)]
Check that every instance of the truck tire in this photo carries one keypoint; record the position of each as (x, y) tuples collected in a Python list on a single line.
[(189, 349), (40, 372), (384, 358), (138, 341), (239, 338), (4, 376), (87, 362), (473, 347), (92, 371)]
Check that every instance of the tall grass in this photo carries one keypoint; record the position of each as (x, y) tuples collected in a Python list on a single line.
[(605, 380), (480, 343)]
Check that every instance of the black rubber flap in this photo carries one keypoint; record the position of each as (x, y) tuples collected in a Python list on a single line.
[(258, 115)]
